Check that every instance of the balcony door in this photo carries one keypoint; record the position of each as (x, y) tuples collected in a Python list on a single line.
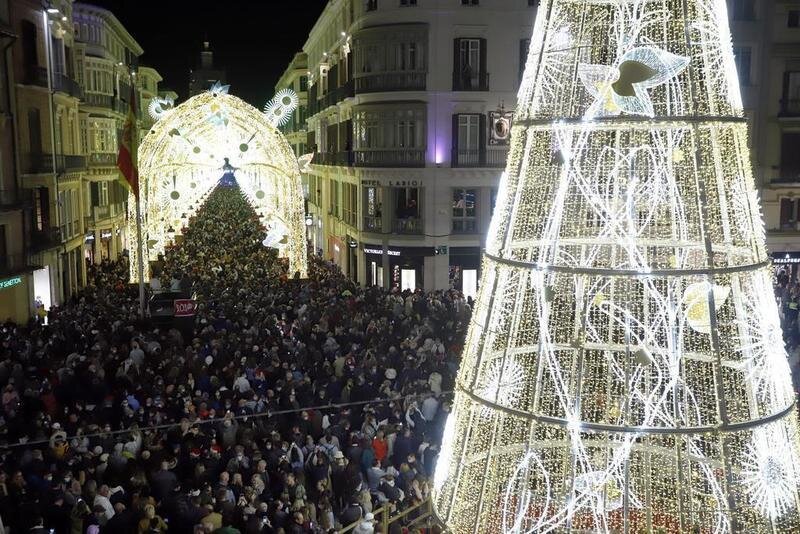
[(469, 140), (791, 92), (469, 72)]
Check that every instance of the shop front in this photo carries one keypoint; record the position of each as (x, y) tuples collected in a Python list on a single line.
[(465, 265), (786, 267), (395, 267)]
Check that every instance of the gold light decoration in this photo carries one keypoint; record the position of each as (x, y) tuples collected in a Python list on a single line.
[(181, 160), (625, 369)]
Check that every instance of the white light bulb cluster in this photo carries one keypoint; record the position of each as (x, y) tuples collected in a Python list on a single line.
[(625, 369), (279, 110)]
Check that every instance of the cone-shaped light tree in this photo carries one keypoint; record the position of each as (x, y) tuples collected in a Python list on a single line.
[(625, 369)]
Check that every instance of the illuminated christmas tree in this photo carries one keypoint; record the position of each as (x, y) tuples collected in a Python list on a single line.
[(625, 369)]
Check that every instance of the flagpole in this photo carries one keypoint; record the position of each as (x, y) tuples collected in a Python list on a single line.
[(135, 158)]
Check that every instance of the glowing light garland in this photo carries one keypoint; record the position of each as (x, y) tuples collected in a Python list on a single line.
[(181, 160), (625, 369)]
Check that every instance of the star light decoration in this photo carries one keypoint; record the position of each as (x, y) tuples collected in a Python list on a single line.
[(280, 108), (624, 370), (622, 88), (160, 106)]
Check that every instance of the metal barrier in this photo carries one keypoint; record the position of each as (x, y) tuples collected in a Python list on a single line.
[(426, 520)]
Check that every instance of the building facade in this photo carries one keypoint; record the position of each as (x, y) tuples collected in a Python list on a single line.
[(63, 98), (408, 114), (766, 36), (105, 52)]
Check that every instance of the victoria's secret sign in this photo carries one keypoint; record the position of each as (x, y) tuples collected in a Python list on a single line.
[(379, 252)]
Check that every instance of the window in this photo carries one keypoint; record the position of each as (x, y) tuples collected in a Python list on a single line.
[(406, 56), (744, 10), (793, 20), (408, 2), (464, 210), (406, 134), (350, 203), (533, 3), (29, 53), (303, 83), (791, 93), (469, 140), (469, 2), (790, 157), (743, 56), (371, 5), (789, 213), (469, 73), (373, 208), (407, 202)]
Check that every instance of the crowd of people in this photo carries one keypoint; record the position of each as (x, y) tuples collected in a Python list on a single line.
[(787, 293), (293, 406)]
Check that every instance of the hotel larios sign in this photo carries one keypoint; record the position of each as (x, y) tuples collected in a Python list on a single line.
[(10, 282)]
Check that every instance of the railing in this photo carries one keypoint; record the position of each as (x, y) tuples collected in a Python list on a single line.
[(408, 226), (107, 102), (43, 163), (99, 100), (97, 159), (334, 96), (373, 224), (391, 81), (790, 107), (489, 157), (470, 82), (398, 157), (342, 159), (422, 513), (37, 75), (44, 239)]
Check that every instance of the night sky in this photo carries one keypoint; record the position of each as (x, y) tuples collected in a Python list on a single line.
[(253, 39)]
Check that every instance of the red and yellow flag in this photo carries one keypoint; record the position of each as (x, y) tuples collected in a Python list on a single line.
[(127, 148)]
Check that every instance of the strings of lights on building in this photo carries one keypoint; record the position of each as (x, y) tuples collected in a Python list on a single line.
[(625, 369)]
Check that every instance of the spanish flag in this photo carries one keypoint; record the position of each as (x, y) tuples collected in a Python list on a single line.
[(127, 148)]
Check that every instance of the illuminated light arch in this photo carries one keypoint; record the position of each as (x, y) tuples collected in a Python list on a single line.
[(180, 163)]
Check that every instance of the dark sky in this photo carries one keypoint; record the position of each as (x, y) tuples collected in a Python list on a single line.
[(253, 39)]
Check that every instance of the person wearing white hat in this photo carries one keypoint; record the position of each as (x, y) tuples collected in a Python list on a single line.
[(366, 526)]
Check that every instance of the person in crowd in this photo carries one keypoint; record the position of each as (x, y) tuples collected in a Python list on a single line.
[(290, 405)]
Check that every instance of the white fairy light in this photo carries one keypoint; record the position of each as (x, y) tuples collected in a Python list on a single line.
[(183, 157), (445, 454), (769, 472), (626, 209), (503, 383), (160, 106)]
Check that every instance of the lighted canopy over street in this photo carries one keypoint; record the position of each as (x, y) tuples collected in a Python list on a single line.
[(186, 153)]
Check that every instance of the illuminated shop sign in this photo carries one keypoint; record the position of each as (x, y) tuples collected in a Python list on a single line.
[(379, 252), (10, 282)]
